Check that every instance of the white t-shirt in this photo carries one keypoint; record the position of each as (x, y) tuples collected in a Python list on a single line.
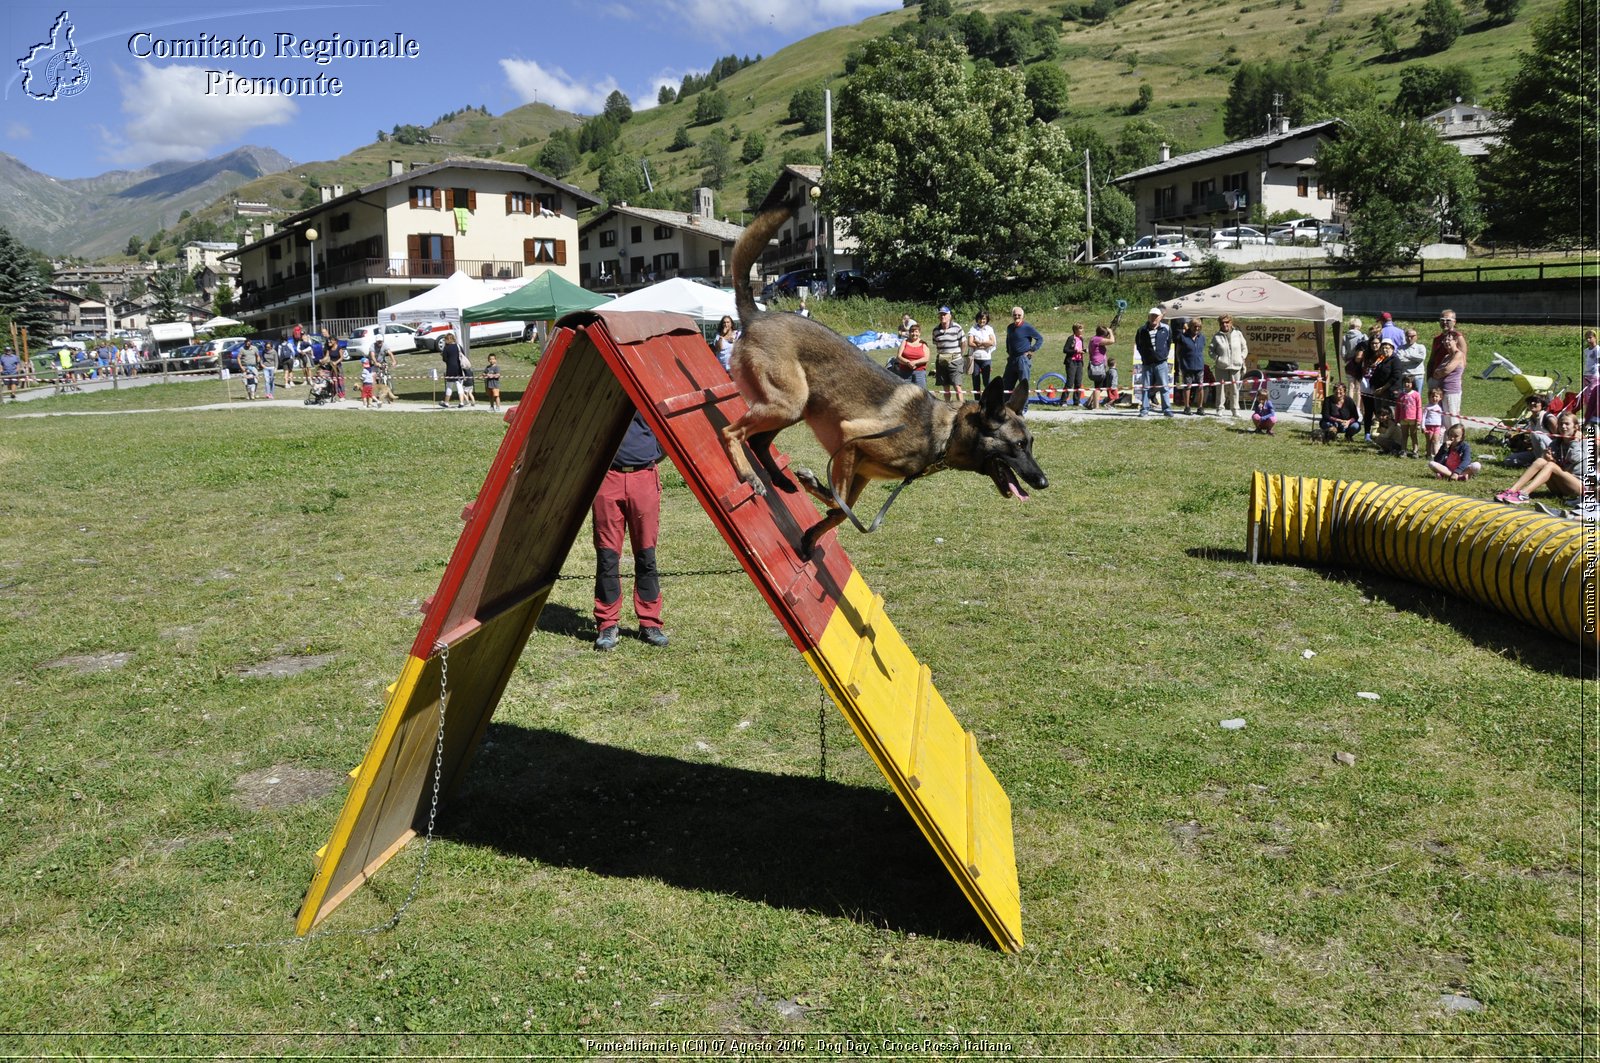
[(983, 334)]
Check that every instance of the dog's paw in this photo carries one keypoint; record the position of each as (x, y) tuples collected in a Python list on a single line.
[(756, 485)]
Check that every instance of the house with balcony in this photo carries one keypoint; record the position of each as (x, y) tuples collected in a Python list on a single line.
[(1217, 187), (798, 244), (625, 247), (207, 254), (397, 238), (1470, 129)]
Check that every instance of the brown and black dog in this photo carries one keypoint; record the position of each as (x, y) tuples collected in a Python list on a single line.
[(876, 425)]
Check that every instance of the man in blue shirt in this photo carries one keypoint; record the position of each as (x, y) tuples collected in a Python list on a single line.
[(1022, 339), (11, 371), (1153, 342)]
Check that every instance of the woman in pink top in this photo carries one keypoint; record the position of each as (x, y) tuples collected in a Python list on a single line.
[(1100, 363)]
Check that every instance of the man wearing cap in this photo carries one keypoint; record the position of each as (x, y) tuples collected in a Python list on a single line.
[(1022, 339), (1153, 343), (1391, 332), (949, 339), (11, 372)]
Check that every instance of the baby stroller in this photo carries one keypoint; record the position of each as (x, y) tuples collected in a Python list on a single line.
[(322, 390), (1556, 389)]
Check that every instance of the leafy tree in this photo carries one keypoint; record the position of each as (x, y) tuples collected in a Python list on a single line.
[(1046, 86), (222, 301), (681, 141), (1424, 190), (1307, 88), (21, 292), (1014, 39), (94, 291), (558, 157), (666, 95), (1139, 145), (1441, 23), (1426, 89), (924, 205), (978, 32), (309, 197), (806, 107), (598, 133), (621, 180), (135, 246), (935, 9), (167, 287), (712, 106), (136, 288), (617, 108), (755, 146), (1503, 11), (716, 159), (1545, 170), (1141, 103), (757, 180), (1388, 38)]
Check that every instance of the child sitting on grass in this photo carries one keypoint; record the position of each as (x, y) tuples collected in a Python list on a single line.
[(1454, 459), (1262, 415), (1566, 468), (1389, 437)]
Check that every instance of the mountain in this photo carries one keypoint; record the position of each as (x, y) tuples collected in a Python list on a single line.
[(93, 216)]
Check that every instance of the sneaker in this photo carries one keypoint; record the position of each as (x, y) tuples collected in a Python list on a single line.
[(608, 638), (653, 635)]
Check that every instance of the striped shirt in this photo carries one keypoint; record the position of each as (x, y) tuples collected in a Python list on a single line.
[(947, 341)]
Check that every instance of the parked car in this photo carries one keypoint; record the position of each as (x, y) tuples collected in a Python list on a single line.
[(1299, 229), (175, 359), (1237, 234), (1332, 234), (1148, 258), (791, 283), (209, 352), (397, 339), (430, 333), (1178, 240), (848, 282)]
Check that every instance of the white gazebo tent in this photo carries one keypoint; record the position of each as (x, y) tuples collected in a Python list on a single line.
[(1261, 295), (456, 293), (679, 295)]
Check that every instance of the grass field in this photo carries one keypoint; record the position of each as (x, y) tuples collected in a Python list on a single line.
[(645, 844)]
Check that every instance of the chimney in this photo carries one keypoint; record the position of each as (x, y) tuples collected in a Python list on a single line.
[(1166, 151), (268, 228), (327, 192), (396, 167), (1283, 123), (338, 190)]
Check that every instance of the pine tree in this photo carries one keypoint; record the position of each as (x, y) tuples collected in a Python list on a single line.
[(21, 291)]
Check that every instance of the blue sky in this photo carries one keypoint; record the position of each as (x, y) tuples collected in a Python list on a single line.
[(134, 106)]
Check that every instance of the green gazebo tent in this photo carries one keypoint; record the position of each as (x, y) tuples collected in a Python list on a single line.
[(545, 298)]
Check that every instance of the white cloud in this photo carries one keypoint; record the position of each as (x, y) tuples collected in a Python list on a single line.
[(720, 18), (18, 131), (172, 117), (534, 83), (669, 78)]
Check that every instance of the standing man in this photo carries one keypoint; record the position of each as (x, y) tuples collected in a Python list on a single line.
[(1228, 352), (1447, 363), (1192, 366), (11, 372), (629, 502), (949, 339), (1153, 343), (1391, 331), (1354, 337), (1412, 358), (1022, 339)]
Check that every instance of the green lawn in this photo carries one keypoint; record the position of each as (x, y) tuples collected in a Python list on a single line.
[(645, 844)]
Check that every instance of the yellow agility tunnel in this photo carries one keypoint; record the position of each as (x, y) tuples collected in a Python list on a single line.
[(1534, 567)]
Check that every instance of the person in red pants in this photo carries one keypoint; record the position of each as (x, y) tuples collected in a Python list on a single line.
[(629, 503)]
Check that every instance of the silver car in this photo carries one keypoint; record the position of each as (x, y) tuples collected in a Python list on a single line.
[(1234, 235), (1152, 258)]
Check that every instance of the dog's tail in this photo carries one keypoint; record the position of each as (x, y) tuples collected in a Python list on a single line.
[(773, 213)]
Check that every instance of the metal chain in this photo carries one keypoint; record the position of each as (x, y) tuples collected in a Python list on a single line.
[(822, 733), (427, 838)]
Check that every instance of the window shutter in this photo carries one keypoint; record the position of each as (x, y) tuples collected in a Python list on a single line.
[(413, 197), (448, 249), (413, 252), (527, 204), (472, 199), (561, 252), (449, 198), (527, 252), (508, 202), (438, 198)]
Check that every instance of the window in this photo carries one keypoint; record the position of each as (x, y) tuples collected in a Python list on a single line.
[(275, 251), (666, 263), (341, 222), (518, 203), (608, 238), (1235, 182), (1302, 187), (459, 197), (544, 252), (583, 242), (422, 198), (1323, 191), (1166, 201), (549, 202), (430, 255), (662, 232)]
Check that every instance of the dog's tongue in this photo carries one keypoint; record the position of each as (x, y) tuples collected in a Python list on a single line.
[(1017, 492)]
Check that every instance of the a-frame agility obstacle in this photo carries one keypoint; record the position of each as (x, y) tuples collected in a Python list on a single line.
[(534, 504)]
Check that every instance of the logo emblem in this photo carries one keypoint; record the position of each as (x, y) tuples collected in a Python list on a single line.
[(55, 69)]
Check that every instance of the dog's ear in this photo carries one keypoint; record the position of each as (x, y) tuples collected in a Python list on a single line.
[(1018, 402), (994, 399)]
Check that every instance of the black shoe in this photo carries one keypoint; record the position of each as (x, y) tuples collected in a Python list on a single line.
[(608, 638), (653, 635)]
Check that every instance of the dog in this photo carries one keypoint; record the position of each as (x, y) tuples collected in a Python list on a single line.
[(875, 425)]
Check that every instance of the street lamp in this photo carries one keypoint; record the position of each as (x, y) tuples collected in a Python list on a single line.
[(311, 238)]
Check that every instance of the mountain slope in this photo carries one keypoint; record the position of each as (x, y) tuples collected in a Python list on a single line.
[(95, 216)]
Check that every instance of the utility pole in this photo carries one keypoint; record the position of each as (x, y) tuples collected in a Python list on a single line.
[(1088, 207)]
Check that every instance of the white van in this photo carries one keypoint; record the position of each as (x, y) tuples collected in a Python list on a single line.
[(429, 333)]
